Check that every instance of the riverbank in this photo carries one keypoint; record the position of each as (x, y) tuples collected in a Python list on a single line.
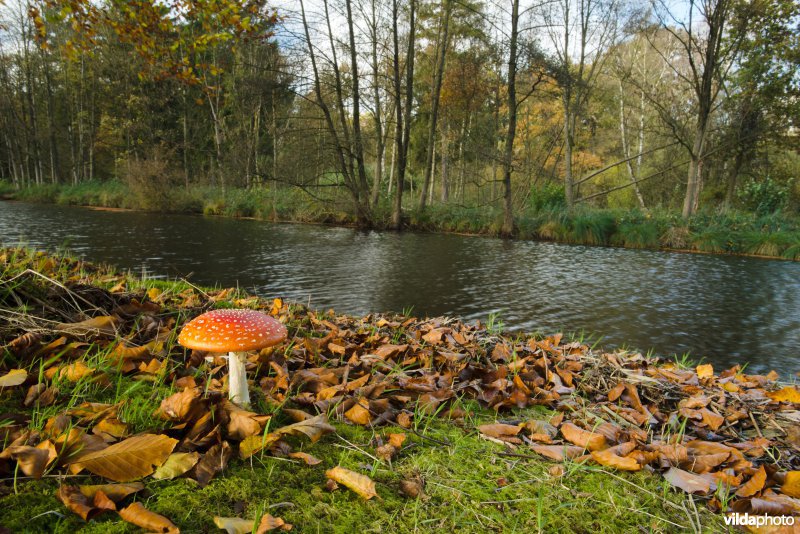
[(772, 236), (422, 424)]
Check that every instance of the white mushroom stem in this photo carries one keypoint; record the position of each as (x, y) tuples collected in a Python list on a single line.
[(237, 379)]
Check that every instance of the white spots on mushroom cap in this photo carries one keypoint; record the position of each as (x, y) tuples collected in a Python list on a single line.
[(225, 330)]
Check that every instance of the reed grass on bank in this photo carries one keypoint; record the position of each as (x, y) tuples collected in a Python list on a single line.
[(775, 235)]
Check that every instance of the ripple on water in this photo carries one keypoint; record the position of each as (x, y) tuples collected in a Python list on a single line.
[(725, 309)]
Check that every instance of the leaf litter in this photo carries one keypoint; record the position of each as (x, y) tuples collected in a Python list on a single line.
[(622, 411)]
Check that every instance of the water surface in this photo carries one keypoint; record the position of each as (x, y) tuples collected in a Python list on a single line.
[(726, 309)]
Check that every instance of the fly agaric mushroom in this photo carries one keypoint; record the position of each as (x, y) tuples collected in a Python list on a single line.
[(234, 332)]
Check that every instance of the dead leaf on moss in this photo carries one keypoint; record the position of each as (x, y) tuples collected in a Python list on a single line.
[(361, 484), (140, 516), (176, 465), (77, 502), (115, 492), (269, 522), (307, 458), (583, 438), (234, 525), (688, 482), (607, 458), (314, 428), (131, 459)]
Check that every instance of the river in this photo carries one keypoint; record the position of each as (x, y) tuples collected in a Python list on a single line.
[(725, 309)]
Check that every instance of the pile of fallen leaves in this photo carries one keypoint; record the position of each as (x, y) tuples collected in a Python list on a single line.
[(730, 439)]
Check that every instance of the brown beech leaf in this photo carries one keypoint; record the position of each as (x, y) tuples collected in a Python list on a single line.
[(214, 461), (499, 430), (77, 502), (234, 525), (314, 428), (705, 371), (711, 419), (705, 462), (754, 485), (791, 484), (243, 423), (583, 438), (131, 459), (609, 459), (557, 452), (115, 492), (361, 484), (14, 377), (253, 444), (787, 394), (359, 413), (177, 464), (140, 516), (180, 406), (396, 440), (102, 502), (270, 522), (31, 460), (113, 427), (688, 482), (307, 458)]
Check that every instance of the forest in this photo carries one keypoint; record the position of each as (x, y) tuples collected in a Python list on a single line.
[(332, 107)]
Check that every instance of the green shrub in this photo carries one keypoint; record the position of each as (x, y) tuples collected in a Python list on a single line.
[(763, 197), (151, 180), (549, 196)]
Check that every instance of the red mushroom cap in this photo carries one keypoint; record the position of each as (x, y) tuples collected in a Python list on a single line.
[(231, 331)]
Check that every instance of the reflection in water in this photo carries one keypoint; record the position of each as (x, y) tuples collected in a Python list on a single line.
[(727, 309)]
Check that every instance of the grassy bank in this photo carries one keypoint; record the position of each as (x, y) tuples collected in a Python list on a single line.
[(774, 235), (483, 426)]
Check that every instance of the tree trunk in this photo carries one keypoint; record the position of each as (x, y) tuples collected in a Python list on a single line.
[(445, 185), (626, 152), (377, 116), (403, 122), (436, 93), (508, 160), (694, 179)]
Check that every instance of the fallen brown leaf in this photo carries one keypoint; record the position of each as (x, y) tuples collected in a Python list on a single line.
[(754, 485), (583, 438), (269, 522), (234, 525), (31, 460), (14, 377), (607, 458), (176, 465), (314, 428), (131, 459), (140, 516), (307, 458), (115, 492), (688, 482), (77, 502), (361, 484)]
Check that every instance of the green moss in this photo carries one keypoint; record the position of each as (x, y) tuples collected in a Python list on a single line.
[(469, 485)]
